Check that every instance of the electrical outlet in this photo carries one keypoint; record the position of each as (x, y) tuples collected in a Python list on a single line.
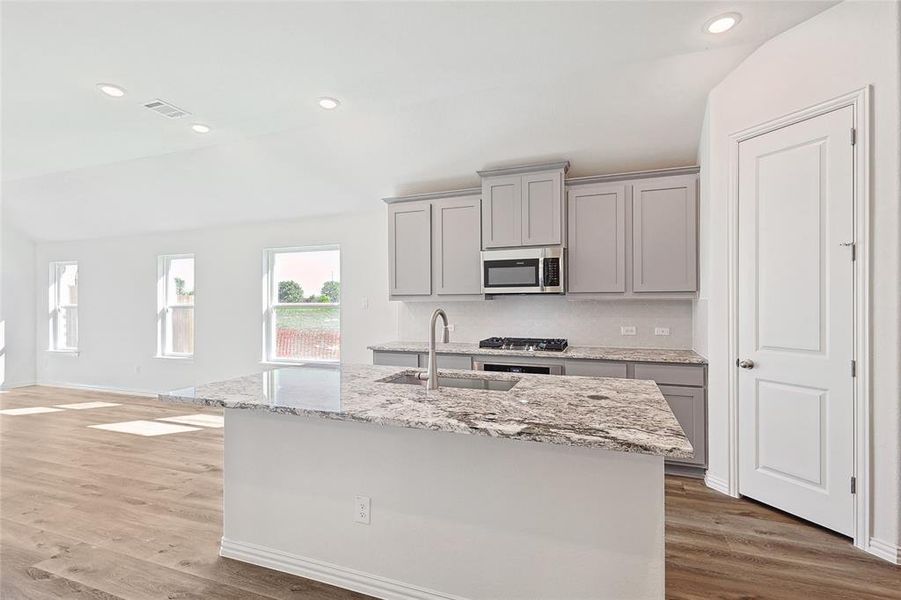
[(450, 327), (364, 304), (661, 331), (630, 330), (361, 509)]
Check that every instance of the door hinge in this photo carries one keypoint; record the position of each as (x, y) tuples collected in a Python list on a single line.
[(853, 368), (853, 136), (854, 485)]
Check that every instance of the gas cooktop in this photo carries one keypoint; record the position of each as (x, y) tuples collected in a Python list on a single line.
[(528, 344)]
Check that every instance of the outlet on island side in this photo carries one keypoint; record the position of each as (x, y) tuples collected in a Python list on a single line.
[(627, 330), (361, 509)]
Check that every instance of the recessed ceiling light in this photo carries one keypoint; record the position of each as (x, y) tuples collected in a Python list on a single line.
[(328, 103), (111, 90), (722, 23), (200, 128)]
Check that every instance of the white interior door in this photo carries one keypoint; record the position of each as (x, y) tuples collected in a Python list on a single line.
[(796, 327)]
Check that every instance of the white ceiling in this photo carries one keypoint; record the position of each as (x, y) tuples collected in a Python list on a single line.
[(430, 92)]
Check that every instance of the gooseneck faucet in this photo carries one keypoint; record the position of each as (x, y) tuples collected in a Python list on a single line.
[(432, 375)]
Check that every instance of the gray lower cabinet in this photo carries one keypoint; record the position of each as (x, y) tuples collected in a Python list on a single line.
[(597, 238), (457, 245), (689, 404), (665, 234), (409, 249), (448, 361), (395, 359)]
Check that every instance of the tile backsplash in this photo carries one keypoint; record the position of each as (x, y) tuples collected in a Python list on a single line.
[(582, 322)]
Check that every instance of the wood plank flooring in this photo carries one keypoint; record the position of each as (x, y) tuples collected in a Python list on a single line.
[(87, 513)]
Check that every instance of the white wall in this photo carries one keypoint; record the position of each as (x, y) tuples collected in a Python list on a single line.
[(582, 322), (117, 300), (838, 51), (17, 308)]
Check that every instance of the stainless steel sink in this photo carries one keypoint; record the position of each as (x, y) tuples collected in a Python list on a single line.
[(469, 383)]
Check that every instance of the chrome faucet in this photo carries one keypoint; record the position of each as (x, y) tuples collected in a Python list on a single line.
[(432, 374)]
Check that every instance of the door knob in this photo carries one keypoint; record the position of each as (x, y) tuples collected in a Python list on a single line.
[(745, 364)]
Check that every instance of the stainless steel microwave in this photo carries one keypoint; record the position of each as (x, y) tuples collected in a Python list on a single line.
[(523, 271)]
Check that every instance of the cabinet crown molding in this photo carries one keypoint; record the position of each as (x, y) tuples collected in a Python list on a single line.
[(475, 191), (520, 169), (627, 175)]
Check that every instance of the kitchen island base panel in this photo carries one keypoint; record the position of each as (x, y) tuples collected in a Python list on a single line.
[(452, 516)]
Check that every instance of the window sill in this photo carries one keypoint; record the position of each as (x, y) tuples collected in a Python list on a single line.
[(175, 358), (72, 353), (298, 363)]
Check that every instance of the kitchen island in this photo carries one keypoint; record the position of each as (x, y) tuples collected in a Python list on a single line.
[(556, 491)]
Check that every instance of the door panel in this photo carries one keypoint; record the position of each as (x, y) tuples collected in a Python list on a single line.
[(410, 249), (688, 406), (542, 196), (502, 211), (796, 405), (665, 235), (597, 238), (458, 245)]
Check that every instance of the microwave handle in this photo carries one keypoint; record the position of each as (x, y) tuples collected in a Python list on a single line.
[(541, 273)]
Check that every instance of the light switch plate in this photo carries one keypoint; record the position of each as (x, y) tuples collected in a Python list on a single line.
[(629, 330)]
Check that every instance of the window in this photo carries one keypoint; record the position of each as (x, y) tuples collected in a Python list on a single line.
[(303, 304), (64, 306), (175, 290)]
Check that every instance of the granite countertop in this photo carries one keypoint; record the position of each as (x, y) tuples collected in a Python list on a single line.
[(624, 415), (651, 355)]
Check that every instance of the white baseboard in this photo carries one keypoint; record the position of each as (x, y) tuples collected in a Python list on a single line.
[(716, 483), (349, 579), (98, 388), (16, 384), (885, 551)]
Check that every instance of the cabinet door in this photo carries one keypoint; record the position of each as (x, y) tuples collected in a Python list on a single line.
[(502, 211), (542, 209), (394, 359), (597, 238), (410, 249), (457, 232), (665, 235), (688, 404)]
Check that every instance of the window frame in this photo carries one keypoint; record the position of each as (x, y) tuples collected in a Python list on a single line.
[(164, 309), (57, 268), (271, 304)]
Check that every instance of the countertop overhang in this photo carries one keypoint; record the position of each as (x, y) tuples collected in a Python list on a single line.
[(624, 415), (650, 355)]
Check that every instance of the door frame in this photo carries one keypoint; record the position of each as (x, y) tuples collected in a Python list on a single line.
[(859, 100)]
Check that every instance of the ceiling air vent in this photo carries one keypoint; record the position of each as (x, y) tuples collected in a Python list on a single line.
[(169, 111)]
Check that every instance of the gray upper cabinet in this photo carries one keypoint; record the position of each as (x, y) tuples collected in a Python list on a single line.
[(502, 211), (409, 249), (597, 238), (665, 235), (523, 206), (456, 225), (542, 212)]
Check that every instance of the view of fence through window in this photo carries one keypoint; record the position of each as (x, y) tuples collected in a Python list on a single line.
[(305, 306), (65, 313), (179, 308)]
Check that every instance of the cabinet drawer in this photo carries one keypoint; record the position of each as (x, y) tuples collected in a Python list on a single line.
[(448, 361), (395, 359), (595, 368), (670, 374)]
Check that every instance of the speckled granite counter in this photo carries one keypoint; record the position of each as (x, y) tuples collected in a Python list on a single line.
[(615, 414), (651, 355)]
